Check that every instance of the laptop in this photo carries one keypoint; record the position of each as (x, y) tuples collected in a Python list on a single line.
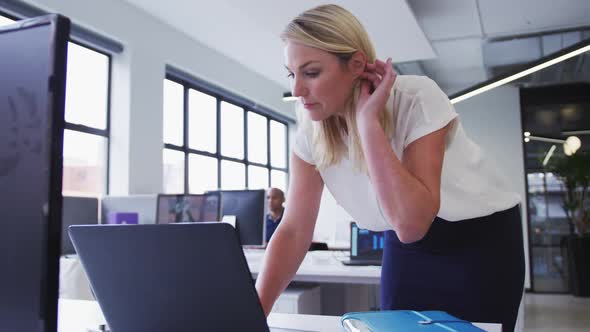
[(366, 247), (174, 277)]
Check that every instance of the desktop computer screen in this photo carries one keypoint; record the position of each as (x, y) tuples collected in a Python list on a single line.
[(188, 208), (249, 208), (33, 56), (76, 211), (366, 243)]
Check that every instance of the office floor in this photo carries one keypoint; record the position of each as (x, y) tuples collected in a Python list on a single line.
[(556, 313)]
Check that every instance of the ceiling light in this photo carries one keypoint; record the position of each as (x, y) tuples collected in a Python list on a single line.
[(573, 143), (527, 133), (567, 150), (542, 63), (549, 154), (526, 139), (287, 96)]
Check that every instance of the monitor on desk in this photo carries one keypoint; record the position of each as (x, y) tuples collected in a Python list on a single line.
[(366, 247), (188, 208), (249, 208), (76, 211), (143, 206), (33, 56)]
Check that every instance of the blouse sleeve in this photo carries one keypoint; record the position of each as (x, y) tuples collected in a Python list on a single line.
[(430, 111), (302, 148)]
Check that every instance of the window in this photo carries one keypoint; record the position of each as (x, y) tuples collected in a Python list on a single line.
[(86, 137), (212, 142)]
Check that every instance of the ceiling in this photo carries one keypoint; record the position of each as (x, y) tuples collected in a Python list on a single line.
[(476, 40), (248, 31), (458, 43)]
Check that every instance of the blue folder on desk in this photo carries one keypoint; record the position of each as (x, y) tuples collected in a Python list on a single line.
[(405, 320)]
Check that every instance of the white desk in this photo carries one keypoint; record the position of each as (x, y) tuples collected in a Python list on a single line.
[(78, 315), (322, 267)]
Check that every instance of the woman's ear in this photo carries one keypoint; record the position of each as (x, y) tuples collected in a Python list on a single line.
[(357, 63)]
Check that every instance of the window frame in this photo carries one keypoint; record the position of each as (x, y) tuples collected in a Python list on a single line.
[(223, 96)]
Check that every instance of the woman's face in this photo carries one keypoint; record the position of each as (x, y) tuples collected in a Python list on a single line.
[(319, 79)]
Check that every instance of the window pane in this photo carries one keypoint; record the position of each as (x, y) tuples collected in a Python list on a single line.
[(173, 171), (278, 179), (233, 175), (257, 146), (232, 130), (5, 21), (257, 177), (173, 113), (84, 162), (278, 144), (202, 174), (87, 86), (202, 130)]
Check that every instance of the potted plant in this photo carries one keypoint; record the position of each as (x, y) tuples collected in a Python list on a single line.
[(574, 172)]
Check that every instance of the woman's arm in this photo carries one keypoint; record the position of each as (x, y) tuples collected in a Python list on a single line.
[(292, 239), (408, 191)]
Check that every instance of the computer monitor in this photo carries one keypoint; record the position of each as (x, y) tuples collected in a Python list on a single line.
[(76, 211), (32, 96), (188, 208), (142, 206), (249, 208), (365, 243)]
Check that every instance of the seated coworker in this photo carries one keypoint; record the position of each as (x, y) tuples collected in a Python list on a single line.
[(275, 198), (393, 153)]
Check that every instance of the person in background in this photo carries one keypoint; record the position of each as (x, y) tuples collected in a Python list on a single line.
[(275, 198)]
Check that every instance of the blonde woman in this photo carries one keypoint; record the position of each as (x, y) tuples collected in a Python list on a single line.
[(393, 153)]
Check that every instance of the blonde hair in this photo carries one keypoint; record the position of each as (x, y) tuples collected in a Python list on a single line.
[(334, 29)]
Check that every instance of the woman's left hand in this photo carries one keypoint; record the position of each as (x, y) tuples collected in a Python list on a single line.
[(376, 84)]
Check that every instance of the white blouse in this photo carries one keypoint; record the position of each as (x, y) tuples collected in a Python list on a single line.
[(471, 186)]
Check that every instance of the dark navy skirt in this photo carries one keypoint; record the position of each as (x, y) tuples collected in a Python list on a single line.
[(472, 269)]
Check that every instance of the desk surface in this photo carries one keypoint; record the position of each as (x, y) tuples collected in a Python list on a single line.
[(79, 315), (322, 266)]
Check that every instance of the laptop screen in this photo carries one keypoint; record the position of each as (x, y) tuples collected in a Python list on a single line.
[(365, 243)]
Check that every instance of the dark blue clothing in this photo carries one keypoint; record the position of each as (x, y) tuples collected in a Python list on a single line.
[(271, 226), (472, 269)]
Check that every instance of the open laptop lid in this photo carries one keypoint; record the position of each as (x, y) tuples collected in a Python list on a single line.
[(32, 96), (365, 244), (176, 277)]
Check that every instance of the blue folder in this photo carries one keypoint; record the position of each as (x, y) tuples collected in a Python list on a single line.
[(405, 320)]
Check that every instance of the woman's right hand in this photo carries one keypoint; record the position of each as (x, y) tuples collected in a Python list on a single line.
[(376, 84)]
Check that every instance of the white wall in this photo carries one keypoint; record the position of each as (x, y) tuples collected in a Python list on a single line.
[(137, 84), (492, 120)]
